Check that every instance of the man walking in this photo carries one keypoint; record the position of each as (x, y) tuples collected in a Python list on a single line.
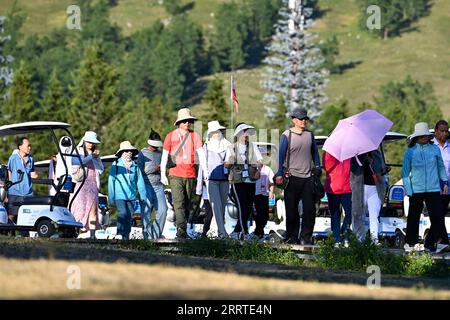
[(181, 145), (299, 146)]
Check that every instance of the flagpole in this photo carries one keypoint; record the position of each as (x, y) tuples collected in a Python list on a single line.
[(231, 101)]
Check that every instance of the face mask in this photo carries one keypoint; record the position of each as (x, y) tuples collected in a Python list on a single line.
[(126, 156)]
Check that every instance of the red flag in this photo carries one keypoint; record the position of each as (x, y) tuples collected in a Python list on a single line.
[(233, 96)]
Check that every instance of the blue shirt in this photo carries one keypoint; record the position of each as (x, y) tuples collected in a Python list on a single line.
[(25, 188)]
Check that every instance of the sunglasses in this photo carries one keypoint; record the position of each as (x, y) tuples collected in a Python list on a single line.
[(188, 121)]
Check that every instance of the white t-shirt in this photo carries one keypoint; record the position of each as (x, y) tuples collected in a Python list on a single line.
[(263, 183), (241, 151), (445, 152)]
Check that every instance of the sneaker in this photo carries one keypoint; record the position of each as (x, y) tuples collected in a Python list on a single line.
[(245, 237), (346, 243), (293, 241), (253, 237), (181, 234), (235, 235), (442, 248), (416, 248)]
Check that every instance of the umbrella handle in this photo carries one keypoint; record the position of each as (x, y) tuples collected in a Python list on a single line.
[(357, 160)]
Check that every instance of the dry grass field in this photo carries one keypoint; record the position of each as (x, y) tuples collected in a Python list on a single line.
[(35, 269)]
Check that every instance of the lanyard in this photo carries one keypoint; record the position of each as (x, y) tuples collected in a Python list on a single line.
[(184, 145)]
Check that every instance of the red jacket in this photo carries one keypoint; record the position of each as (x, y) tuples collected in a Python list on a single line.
[(337, 180)]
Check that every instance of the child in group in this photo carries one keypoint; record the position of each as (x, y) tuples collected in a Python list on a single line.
[(263, 192)]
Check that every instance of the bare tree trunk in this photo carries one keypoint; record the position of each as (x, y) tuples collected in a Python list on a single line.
[(386, 33)]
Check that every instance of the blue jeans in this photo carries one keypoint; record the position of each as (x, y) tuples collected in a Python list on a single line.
[(156, 199), (125, 210), (334, 204)]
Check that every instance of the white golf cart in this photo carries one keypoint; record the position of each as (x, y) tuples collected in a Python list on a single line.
[(46, 215)]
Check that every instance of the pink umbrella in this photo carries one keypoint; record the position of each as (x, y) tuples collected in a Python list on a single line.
[(357, 134)]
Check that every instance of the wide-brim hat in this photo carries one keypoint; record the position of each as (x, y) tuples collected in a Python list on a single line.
[(126, 146), (421, 129), (90, 136), (214, 126), (242, 127), (184, 114)]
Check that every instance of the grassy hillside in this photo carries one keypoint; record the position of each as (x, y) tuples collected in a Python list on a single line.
[(422, 53)]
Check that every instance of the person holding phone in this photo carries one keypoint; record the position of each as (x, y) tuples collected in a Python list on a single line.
[(85, 205)]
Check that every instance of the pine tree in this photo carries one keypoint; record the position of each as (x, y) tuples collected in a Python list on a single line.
[(94, 99), (229, 40), (54, 104), (173, 7), (331, 116), (20, 104), (10, 35), (330, 49), (215, 98), (396, 15), (294, 63), (280, 119)]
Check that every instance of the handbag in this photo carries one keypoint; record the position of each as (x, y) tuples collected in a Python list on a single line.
[(318, 189), (285, 172), (171, 159), (253, 172), (78, 175)]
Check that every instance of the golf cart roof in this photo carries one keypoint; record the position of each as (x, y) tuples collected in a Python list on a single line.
[(33, 126), (388, 138), (42, 166), (394, 136)]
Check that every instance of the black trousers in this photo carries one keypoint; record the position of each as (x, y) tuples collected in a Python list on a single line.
[(433, 235), (434, 205), (299, 189), (262, 213), (245, 195), (208, 217)]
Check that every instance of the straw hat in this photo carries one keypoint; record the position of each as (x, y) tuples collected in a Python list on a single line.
[(420, 129), (184, 114), (126, 146)]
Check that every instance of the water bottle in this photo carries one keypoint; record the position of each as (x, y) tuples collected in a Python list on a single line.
[(3, 215), (271, 202)]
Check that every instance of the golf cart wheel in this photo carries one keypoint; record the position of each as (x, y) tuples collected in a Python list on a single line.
[(399, 240), (45, 229), (274, 239)]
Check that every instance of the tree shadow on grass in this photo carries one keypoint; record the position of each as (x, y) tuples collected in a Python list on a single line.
[(348, 66)]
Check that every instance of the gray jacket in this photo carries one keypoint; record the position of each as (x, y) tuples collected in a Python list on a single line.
[(357, 185), (148, 161)]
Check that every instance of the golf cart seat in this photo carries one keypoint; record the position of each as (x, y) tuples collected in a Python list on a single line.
[(61, 199)]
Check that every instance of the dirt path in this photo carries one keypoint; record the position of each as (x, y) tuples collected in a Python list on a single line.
[(37, 269)]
